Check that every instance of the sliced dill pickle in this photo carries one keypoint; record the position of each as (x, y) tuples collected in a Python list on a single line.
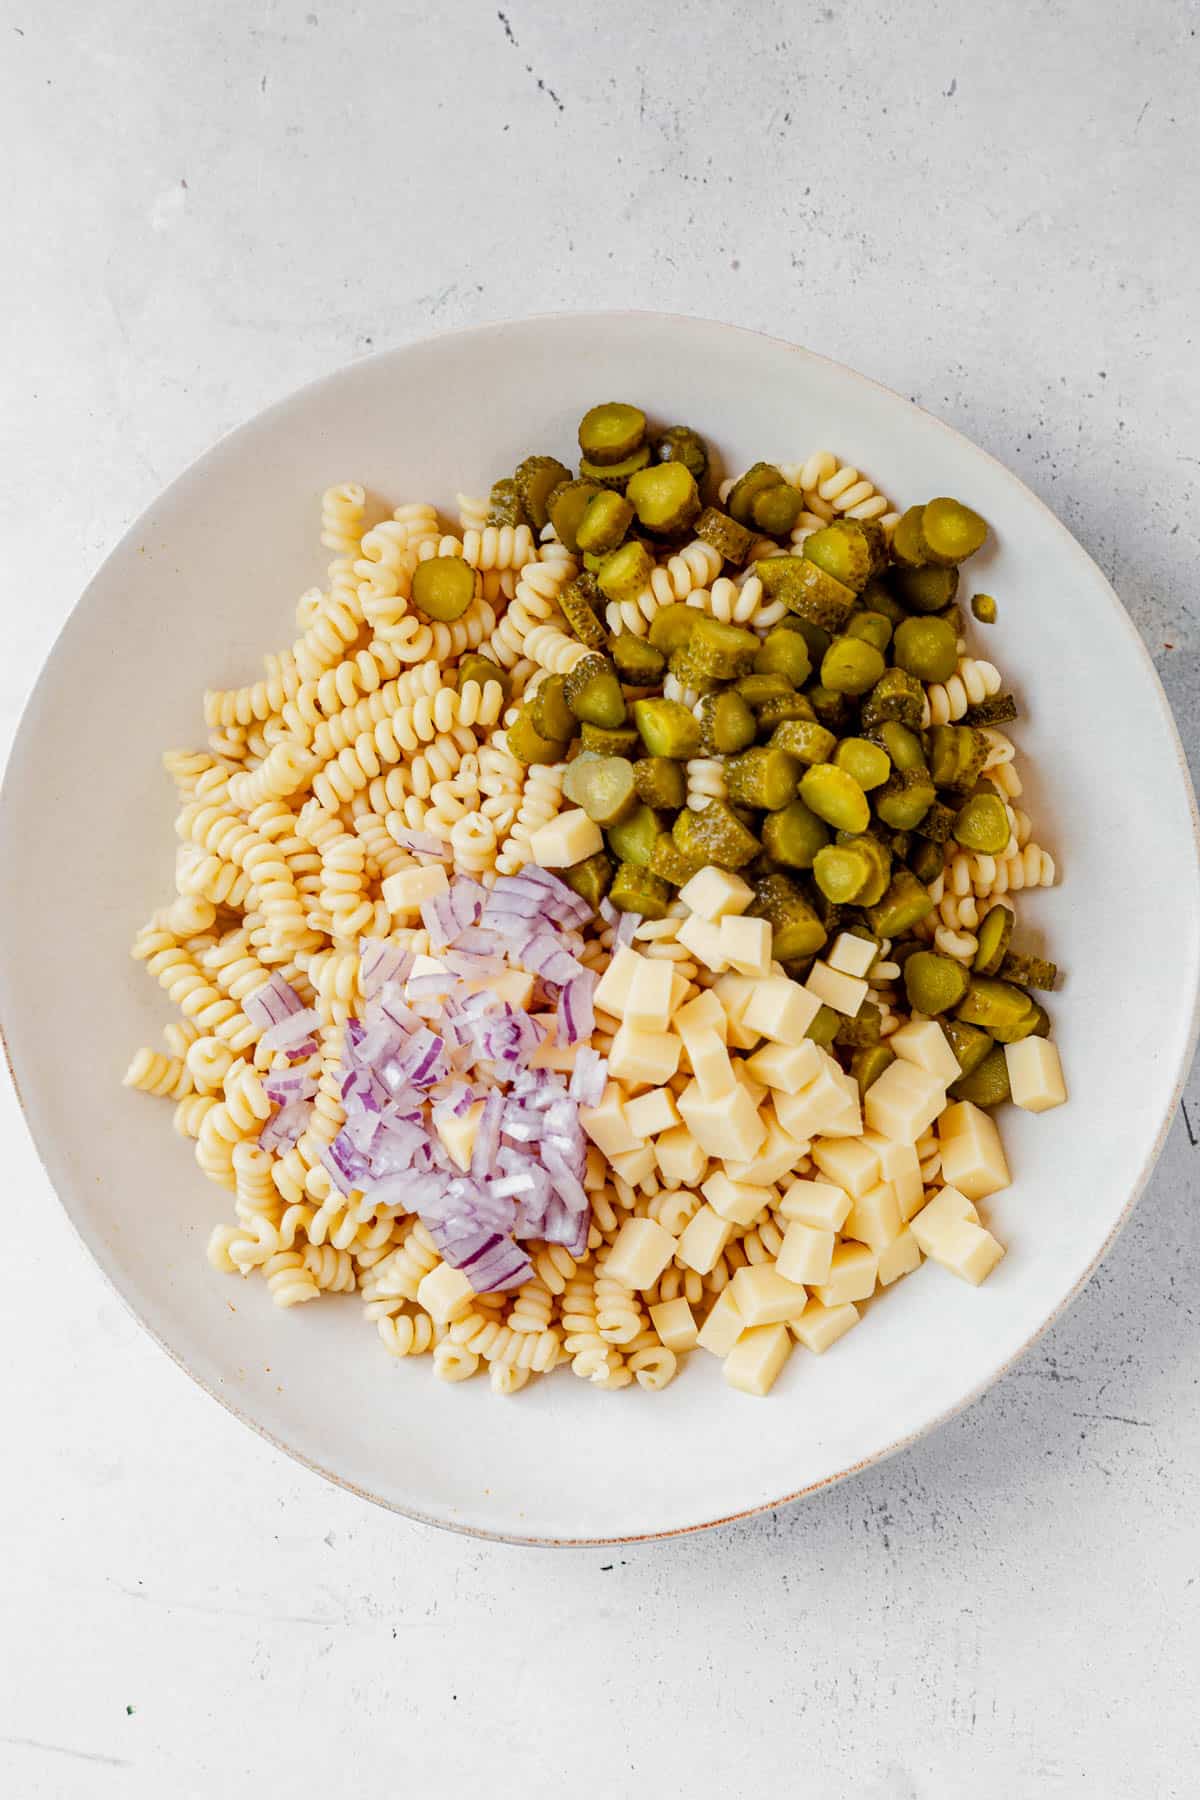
[(867, 1065), (636, 890), (757, 480), (862, 1031), (591, 878), (999, 1007), (660, 783), (764, 777), (879, 856), (957, 754), (504, 504), (527, 743), (567, 505), (611, 432), (594, 694), (905, 903), (726, 723), (664, 497), (844, 555), (593, 562), (616, 475), (878, 597), (969, 1044), (606, 519), (444, 587), (607, 741), (794, 835), (482, 669), (1000, 709), (926, 859), (720, 650), (625, 572), (804, 739), (908, 542), (715, 835), (631, 839), (951, 531), (995, 930), (817, 640), (1030, 971), (824, 1027), (1042, 1025), (602, 786), (806, 590), (982, 825), (835, 797), (843, 872), (874, 627), (867, 762), (927, 589), (927, 647), (667, 728), (988, 1084), (680, 444), (552, 717), (851, 666), (784, 653), (756, 689), (672, 626), (934, 983), (668, 862), (902, 744), (727, 537), (796, 930), (905, 798), (896, 695), (579, 600), (781, 709), (775, 510), (639, 664), (835, 711), (984, 608), (691, 674), (536, 479)]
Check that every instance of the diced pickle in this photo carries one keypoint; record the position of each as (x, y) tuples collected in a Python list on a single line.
[(934, 983), (611, 432), (874, 627), (758, 688), (672, 626), (879, 856), (927, 589), (926, 859), (726, 723), (639, 664), (1000, 709), (904, 905), (667, 728), (905, 798), (794, 835), (834, 710), (902, 744), (995, 930), (527, 743), (602, 786), (982, 825), (504, 504), (783, 709), (726, 536), (757, 480), (482, 669), (969, 1044), (664, 497), (843, 554), (660, 782), (804, 739), (594, 694), (606, 519), (851, 666), (605, 740), (720, 650), (835, 797), (999, 1007), (806, 590), (567, 505), (591, 878), (796, 931), (843, 872), (896, 695), (669, 863), (784, 653), (625, 572), (1030, 971), (988, 1084), (908, 541), (878, 597), (776, 509), (715, 835), (824, 1027), (615, 475), (927, 648), (444, 587), (863, 1030), (867, 762), (552, 717), (984, 608), (536, 479), (951, 531), (579, 601), (764, 777), (632, 839), (636, 890), (679, 443), (938, 823), (868, 1065)]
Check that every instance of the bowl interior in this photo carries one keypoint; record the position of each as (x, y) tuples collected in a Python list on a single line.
[(205, 583)]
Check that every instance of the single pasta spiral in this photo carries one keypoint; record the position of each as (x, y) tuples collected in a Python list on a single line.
[(553, 650), (738, 605), (534, 602), (151, 1073), (705, 782), (343, 509), (973, 683), (696, 565), (499, 547)]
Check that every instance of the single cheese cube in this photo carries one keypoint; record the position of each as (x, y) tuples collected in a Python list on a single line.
[(633, 1166), (733, 1200), (778, 1157), (699, 1017), (649, 1057), (458, 1134), (922, 1041), (1035, 1074), (754, 1363), (851, 1275), (679, 987), (674, 1323), (789, 1067), (948, 1207), (898, 1258), (972, 1154), (780, 1009), (949, 1232), (849, 1163), (816, 1203), (512, 985), (819, 1326), (607, 1125), (711, 1065), (727, 1127), (408, 890), (714, 893), (805, 1254), (746, 944), (723, 1326), (651, 1113), (874, 1218), (904, 1101), (703, 940), (648, 1002), (823, 1108), (844, 993), (612, 989), (567, 839), (899, 1164), (640, 1253), (681, 1160), (764, 1297), (702, 1240), (445, 1293), (851, 955)]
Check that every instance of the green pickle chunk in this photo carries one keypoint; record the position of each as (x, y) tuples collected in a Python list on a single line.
[(636, 889), (995, 929), (835, 797), (927, 648), (758, 479), (764, 777), (873, 627), (725, 535), (672, 626), (794, 835), (866, 762), (639, 663), (548, 709), (846, 555), (606, 519), (934, 984), (679, 443), (784, 653), (567, 505), (843, 872), (715, 835), (904, 799), (928, 589), (667, 728), (851, 666), (536, 479), (982, 825), (775, 510), (632, 838), (625, 572), (1030, 971), (906, 902), (868, 1065), (527, 743), (660, 782), (615, 475), (951, 531), (621, 740), (603, 786), (984, 608), (481, 669), (999, 1008), (504, 504), (969, 1044), (444, 587), (806, 590), (594, 694), (612, 432), (579, 601), (988, 1084), (796, 930), (805, 739), (722, 651), (591, 878), (664, 497), (726, 723), (908, 540)]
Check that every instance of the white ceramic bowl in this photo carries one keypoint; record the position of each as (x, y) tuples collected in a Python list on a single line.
[(205, 583)]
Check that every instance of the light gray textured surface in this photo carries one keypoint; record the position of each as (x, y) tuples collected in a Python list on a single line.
[(203, 208)]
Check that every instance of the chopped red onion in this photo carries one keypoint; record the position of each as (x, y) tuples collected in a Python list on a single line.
[(575, 1017), (284, 1127), (283, 1087), (589, 1077), (272, 1002), (627, 926), (381, 961), (292, 1030), (423, 843), (439, 919)]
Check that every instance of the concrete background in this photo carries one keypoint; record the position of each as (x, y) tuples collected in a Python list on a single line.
[(993, 212)]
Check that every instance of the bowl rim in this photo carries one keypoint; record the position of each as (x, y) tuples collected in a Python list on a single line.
[(600, 318)]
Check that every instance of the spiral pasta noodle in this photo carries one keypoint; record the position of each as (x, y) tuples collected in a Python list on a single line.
[(535, 601), (697, 565), (541, 798), (705, 782), (343, 509), (974, 682)]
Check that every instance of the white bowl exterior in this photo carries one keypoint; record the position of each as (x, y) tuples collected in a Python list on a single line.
[(206, 582)]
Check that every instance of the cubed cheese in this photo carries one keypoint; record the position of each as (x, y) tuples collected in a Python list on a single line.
[(702, 1240), (566, 839), (904, 1101), (820, 1326), (640, 1253), (612, 989), (789, 1067), (922, 1041), (711, 1065), (702, 939), (851, 955), (1035, 1074), (816, 1203), (829, 987), (754, 1363), (746, 944), (849, 1163), (728, 1127), (607, 1125), (764, 1297), (651, 1113), (851, 1275), (949, 1232), (445, 1293), (550, 1054), (648, 1002), (408, 890), (874, 1218), (733, 1200), (826, 1107), (777, 1157), (805, 1254), (714, 893), (679, 989), (681, 1160), (644, 1057), (723, 1326), (458, 1133), (634, 1166), (898, 1258), (674, 1323), (700, 1016), (780, 1009), (515, 986), (972, 1154), (899, 1164)]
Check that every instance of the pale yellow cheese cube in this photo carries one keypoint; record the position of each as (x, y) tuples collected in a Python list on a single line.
[(648, 1002), (746, 944), (681, 1160), (816, 1203), (820, 1326), (899, 1164), (764, 1297), (550, 1054), (512, 985), (711, 1065), (652, 1113), (408, 890), (851, 1275), (702, 939), (789, 1067), (825, 1107), (607, 1125), (949, 1232), (714, 893), (675, 1324), (904, 1101), (849, 1163), (679, 987), (699, 1017), (898, 1258), (640, 1253), (733, 1200), (445, 1293), (612, 989), (423, 965), (633, 1166), (723, 1326), (972, 1154), (702, 1240), (647, 1057), (922, 1041), (754, 1363), (780, 1009), (729, 1127), (734, 993), (948, 1207), (458, 1134), (1035, 1074), (566, 839), (851, 955), (776, 1158), (805, 1254), (844, 993), (874, 1218)]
